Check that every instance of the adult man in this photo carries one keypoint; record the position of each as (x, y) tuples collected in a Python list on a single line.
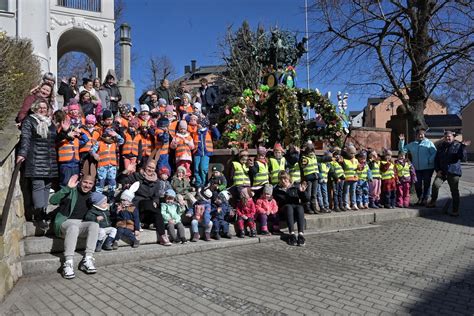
[(74, 202), (447, 165), (114, 93), (423, 153), (208, 96), (163, 91)]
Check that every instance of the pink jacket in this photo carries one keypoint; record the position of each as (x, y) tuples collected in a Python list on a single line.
[(267, 207), (247, 210)]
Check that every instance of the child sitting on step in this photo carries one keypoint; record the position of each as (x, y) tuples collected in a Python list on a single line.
[(267, 211), (128, 220), (100, 213), (171, 212)]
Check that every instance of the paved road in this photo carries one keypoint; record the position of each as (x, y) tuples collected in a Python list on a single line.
[(421, 265)]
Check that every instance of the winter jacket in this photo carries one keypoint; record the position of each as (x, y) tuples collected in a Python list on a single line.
[(40, 153), (92, 214), (171, 211), (422, 152), (448, 158), (67, 92), (291, 196), (201, 211), (181, 186), (219, 182), (129, 219), (264, 206), (200, 143), (163, 93), (148, 190), (221, 212), (247, 209), (405, 179), (113, 91)]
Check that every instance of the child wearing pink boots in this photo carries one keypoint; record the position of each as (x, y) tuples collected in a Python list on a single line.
[(406, 176)]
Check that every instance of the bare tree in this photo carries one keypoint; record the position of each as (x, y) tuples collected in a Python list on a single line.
[(458, 88), (76, 64), (404, 47), (160, 67)]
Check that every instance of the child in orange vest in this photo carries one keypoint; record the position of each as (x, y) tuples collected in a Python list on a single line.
[(204, 149), (147, 142), (130, 148), (92, 132), (105, 152), (183, 144), (163, 142)]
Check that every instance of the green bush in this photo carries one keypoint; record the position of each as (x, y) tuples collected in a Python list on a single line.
[(19, 72)]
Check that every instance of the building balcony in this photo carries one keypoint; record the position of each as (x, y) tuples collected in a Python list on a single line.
[(87, 5)]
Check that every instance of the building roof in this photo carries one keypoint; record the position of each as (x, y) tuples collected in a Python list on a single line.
[(375, 101), (467, 105), (214, 69), (355, 113), (445, 120)]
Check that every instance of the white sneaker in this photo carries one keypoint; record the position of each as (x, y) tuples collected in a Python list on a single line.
[(87, 265), (68, 270), (355, 208)]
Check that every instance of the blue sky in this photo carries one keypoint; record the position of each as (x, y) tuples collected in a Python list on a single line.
[(192, 29)]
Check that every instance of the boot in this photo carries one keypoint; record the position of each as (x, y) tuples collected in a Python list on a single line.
[(164, 241), (195, 238), (40, 219), (315, 208), (108, 243), (207, 236), (307, 209), (98, 245), (227, 235), (136, 243), (115, 245), (373, 205), (253, 233)]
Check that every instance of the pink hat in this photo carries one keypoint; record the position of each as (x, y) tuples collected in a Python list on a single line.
[(169, 108), (90, 119), (73, 107), (278, 147), (262, 151), (183, 124)]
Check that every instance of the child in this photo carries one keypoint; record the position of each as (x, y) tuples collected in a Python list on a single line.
[(182, 186), (220, 213), (201, 216), (350, 182), (130, 148), (183, 144), (100, 213), (217, 182), (205, 135), (144, 116), (259, 170), (267, 211), (128, 220), (171, 212), (387, 171), (293, 158), (277, 163), (405, 175), (147, 141), (310, 173), (376, 184), (336, 177), (324, 166), (92, 133), (364, 175), (105, 152), (245, 214), (163, 142), (163, 183)]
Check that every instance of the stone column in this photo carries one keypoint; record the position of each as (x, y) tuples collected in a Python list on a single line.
[(126, 85)]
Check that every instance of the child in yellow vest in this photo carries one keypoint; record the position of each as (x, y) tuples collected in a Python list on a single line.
[(350, 183), (310, 173), (336, 181), (375, 185), (387, 171), (365, 175), (406, 176)]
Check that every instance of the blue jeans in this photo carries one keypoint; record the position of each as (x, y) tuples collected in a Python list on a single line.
[(422, 185), (201, 168), (195, 226), (350, 192), (362, 192), (338, 195), (106, 174), (220, 224), (322, 195)]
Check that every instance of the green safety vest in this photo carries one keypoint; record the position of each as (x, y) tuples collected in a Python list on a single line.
[(241, 174), (376, 170), (350, 168), (295, 173), (311, 165), (362, 174), (324, 170), (337, 169), (403, 171), (389, 174), (261, 177), (276, 168)]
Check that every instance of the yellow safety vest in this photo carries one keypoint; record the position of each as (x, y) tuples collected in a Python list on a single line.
[(276, 168), (337, 169), (350, 168), (324, 170), (261, 177), (241, 174), (403, 171), (389, 174), (376, 170), (311, 166), (295, 173), (362, 174)]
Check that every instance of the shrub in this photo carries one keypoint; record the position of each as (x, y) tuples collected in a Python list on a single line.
[(19, 72)]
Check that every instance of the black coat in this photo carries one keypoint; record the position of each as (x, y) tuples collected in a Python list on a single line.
[(148, 190), (208, 97), (67, 92), (291, 196), (113, 91), (449, 157), (40, 153)]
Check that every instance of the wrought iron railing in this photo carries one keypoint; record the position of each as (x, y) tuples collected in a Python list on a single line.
[(88, 5)]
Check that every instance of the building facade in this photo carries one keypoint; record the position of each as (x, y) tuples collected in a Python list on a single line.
[(467, 114)]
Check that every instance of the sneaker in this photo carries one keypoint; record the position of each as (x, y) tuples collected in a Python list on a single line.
[(42, 224), (184, 240), (292, 240), (87, 265), (228, 236), (301, 240), (68, 270), (115, 245), (164, 241), (265, 233), (217, 236), (241, 234), (253, 233), (136, 243)]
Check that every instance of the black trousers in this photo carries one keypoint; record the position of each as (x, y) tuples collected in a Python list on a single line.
[(151, 214), (294, 212)]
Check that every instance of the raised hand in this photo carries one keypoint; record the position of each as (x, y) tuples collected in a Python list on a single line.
[(466, 142), (401, 136), (20, 159), (73, 181)]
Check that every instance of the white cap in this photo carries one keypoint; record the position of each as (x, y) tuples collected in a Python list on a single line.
[(144, 108)]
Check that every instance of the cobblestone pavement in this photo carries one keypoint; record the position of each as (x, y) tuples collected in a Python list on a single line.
[(420, 265)]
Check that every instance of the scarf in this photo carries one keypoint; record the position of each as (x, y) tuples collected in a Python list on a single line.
[(151, 178), (44, 122)]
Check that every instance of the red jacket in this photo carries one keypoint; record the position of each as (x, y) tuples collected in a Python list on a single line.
[(267, 207), (248, 209)]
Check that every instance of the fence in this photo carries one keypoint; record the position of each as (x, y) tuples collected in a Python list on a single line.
[(88, 5)]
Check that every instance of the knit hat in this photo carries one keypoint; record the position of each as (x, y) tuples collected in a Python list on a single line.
[(218, 168), (351, 150), (49, 76), (188, 96), (164, 170), (261, 151), (183, 125), (107, 114), (125, 108), (129, 194), (170, 193), (182, 169), (225, 195), (278, 147), (176, 98), (74, 106), (162, 101), (72, 101), (197, 106), (268, 189), (327, 156), (387, 152), (163, 122), (362, 154), (169, 109), (206, 194), (243, 153), (90, 119), (309, 145), (144, 108), (98, 200), (134, 122)]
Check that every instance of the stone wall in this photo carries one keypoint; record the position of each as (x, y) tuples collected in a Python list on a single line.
[(365, 137), (11, 242)]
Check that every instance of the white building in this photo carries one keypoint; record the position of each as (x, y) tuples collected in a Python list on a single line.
[(57, 27), (357, 118)]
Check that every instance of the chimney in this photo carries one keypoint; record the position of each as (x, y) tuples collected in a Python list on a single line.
[(193, 66), (187, 69)]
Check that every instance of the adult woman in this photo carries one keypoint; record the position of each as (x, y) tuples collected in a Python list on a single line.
[(423, 153), (43, 92), (38, 150), (88, 106), (68, 89), (147, 197), (289, 198), (113, 92)]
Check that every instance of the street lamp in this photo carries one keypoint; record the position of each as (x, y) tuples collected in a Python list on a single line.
[(125, 33)]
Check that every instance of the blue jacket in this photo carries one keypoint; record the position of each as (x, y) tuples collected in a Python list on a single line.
[(225, 210), (423, 153), (201, 211), (201, 145), (448, 158)]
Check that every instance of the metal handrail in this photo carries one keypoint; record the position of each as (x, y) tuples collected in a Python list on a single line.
[(8, 200)]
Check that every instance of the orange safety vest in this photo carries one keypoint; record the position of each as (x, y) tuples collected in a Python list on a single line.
[(92, 140), (131, 144), (147, 145), (183, 149), (107, 154), (123, 122), (173, 128), (68, 150), (208, 142), (164, 148)]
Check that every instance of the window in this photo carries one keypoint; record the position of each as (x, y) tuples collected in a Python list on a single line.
[(3, 5)]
